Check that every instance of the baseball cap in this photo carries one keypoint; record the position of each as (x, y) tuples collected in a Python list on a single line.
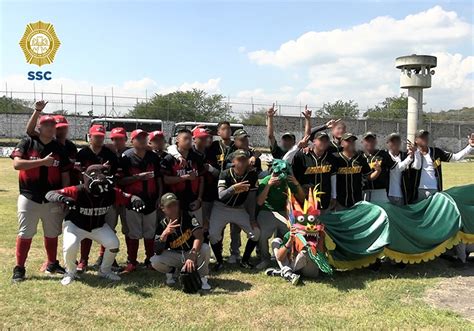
[(240, 153), (46, 119), (288, 135), (97, 130), (321, 134), (118, 133), (138, 132), (348, 136), (369, 134), (61, 121), (240, 133), (393, 135), (200, 133), (421, 133), (167, 199), (156, 134)]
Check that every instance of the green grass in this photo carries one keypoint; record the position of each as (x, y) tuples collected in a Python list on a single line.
[(392, 298)]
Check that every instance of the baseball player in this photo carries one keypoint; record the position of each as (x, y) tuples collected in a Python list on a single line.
[(156, 140), (179, 243), (88, 204), (140, 176), (288, 139), (95, 153), (43, 166), (237, 190), (352, 170)]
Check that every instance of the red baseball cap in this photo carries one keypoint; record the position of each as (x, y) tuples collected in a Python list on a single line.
[(97, 130), (46, 119), (156, 134), (61, 121), (200, 133), (118, 133), (138, 132)]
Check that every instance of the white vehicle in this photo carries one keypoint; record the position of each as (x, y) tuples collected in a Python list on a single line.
[(129, 124), (211, 127)]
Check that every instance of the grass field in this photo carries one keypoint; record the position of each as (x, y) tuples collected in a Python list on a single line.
[(392, 298)]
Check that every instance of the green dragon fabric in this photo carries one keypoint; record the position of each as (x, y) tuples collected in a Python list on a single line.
[(410, 234)]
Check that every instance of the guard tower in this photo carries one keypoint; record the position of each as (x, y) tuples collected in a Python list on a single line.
[(416, 72)]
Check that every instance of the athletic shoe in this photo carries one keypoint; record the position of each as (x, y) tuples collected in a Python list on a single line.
[(262, 265), (205, 285), (81, 266), (129, 268), (233, 259), (110, 276), (273, 272), (246, 265), (170, 279), (294, 279), (147, 264), (55, 268), (18, 274), (68, 279), (98, 262), (116, 267), (218, 267)]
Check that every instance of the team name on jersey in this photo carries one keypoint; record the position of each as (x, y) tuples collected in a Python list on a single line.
[(318, 170), (181, 239), (94, 211), (349, 170)]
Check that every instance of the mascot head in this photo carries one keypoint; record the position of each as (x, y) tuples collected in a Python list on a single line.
[(281, 168), (97, 179), (305, 219)]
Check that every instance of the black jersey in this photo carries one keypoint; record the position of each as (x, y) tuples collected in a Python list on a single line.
[(386, 164), (219, 151), (86, 157), (334, 146), (228, 178), (182, 239), (36, 182), (311, 171), (250, 152), (350, 176)]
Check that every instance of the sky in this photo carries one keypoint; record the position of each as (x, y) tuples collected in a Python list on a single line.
[(308, 52)]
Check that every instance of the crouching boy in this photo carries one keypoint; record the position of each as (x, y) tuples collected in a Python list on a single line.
[(179, 243), (88, 204)]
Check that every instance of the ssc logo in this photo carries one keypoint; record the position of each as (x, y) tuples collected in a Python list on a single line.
[(39, 43)]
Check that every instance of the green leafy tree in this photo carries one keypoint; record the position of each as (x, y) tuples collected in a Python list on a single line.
[(12, 105), (195, 105), (340, 109), (390, 108), (255, 118)]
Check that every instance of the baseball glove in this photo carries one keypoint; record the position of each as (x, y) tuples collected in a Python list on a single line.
[(190, 281)]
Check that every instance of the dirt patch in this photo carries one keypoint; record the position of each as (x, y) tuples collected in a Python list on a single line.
[(456, 294)]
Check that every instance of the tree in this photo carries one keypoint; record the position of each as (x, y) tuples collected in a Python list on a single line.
[(11, 105), (195, 105), (390, 108), (340, 109), (255, 118), (463, 114)]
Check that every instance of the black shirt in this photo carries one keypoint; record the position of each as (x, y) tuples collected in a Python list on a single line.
[(219, 151), (210, 182), (311, 170), (36, 182), (350, 176), (86, 157), (183, 238), (227, 178), (386, 163), (131, 164), (250, 152), (334, 146)]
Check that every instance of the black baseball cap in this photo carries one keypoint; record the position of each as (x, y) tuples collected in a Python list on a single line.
[(288, 135), (240, 133), (167, 199), (240, 153), (321, 134), (421, 133), (369, 134), (349, 136), (393, 135)]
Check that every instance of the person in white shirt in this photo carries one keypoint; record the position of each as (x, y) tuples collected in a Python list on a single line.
[(398, 192), (429, 180)]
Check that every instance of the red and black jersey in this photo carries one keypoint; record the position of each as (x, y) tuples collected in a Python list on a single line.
[(89, 211), (161, 155), (36, 182), (187, 191), (86, 157), (131, 164), (210, 182)]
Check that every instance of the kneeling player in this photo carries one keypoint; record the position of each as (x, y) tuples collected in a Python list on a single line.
[(88, 204), (179, 243)]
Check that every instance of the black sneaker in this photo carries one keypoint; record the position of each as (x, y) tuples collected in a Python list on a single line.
[(55, 268), (116, 267), (18, 274), (98, 262), (246, 265), (273, 272), (218, 266)]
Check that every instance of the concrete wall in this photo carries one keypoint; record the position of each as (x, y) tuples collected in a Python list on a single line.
[(450, 136)]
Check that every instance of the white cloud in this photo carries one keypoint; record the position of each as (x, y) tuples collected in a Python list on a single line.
[(358, 62)]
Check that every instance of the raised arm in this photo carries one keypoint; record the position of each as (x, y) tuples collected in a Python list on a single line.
[(270, 130), (33, 121), (466, 151)]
